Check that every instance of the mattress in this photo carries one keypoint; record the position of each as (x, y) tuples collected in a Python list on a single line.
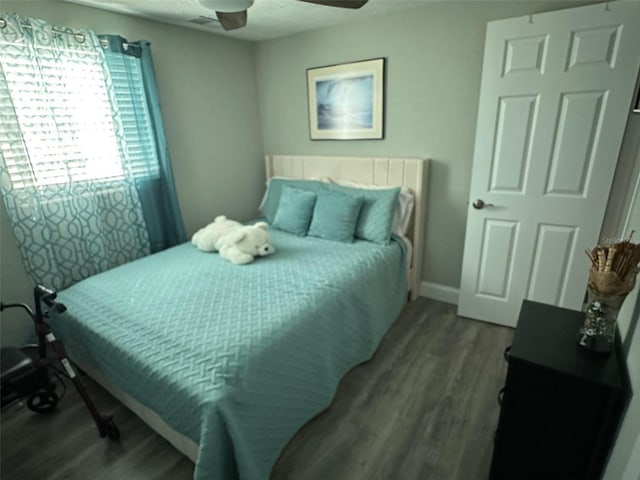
[(236, 358)]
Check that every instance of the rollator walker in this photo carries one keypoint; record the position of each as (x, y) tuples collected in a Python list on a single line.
[(30, 372)]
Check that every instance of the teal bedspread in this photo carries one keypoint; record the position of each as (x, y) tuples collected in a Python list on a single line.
[(237, 358)]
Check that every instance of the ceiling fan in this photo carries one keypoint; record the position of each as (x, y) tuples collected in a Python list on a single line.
[(232, 14)]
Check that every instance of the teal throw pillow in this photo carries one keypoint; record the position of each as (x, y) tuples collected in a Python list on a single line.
[(376, 218), (335, 215), (271, 200), (294, 210)]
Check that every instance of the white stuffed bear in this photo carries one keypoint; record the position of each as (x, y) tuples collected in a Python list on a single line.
[(236, 242)]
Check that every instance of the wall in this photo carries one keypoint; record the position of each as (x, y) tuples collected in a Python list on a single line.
[(210, 109), (625, 183), (624, 463), (14, 286), (623, 210), (434, 59)]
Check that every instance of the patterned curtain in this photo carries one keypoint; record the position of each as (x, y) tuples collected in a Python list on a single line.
[(71, 198)]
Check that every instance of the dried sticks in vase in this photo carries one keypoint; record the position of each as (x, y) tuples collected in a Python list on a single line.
[(611, 277), (621, 258)]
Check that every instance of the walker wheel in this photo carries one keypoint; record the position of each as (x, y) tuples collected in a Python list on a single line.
[(110, 428), (42, 401)]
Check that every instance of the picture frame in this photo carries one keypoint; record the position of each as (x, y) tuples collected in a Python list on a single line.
[(346, 101)]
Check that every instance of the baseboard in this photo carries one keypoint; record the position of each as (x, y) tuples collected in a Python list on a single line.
[(437, 291)]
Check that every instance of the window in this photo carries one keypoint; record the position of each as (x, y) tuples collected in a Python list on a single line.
[(61, 126)]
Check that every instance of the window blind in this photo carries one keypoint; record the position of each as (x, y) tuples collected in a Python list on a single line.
[(57, 126), (139, 147)]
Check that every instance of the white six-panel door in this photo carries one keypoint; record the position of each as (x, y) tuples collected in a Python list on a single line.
[(555, 96)]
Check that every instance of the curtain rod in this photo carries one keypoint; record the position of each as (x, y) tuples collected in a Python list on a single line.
[(105, 43), (79, 37), (124, 44)]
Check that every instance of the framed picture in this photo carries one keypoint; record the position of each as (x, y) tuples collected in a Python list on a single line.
[(346, 101)]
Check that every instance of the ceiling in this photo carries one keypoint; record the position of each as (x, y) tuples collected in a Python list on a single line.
[(267, 19)]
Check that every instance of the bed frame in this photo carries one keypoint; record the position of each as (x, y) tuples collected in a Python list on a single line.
[(404, 172)]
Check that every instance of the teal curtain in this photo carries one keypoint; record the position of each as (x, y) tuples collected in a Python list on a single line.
[(136, 92)]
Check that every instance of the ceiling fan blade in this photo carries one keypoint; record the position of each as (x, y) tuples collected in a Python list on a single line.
[(232, 20), (338, 3)]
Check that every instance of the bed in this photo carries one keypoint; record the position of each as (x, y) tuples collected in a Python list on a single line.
[(227, 362)]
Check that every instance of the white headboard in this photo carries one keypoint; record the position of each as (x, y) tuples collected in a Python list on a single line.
[(402, 172)]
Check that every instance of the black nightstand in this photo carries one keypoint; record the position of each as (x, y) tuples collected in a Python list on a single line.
[(561, 405)]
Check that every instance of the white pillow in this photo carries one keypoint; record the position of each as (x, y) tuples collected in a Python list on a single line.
[(402, 213)]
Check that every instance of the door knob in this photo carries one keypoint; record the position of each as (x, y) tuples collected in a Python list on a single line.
[(479, 204)]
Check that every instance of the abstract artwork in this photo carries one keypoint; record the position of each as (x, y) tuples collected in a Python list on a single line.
[(346, 101)]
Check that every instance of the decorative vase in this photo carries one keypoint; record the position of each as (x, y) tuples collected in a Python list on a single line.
[(598, 332)]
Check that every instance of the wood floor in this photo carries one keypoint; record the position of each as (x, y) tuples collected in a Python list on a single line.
[(423, 408)]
